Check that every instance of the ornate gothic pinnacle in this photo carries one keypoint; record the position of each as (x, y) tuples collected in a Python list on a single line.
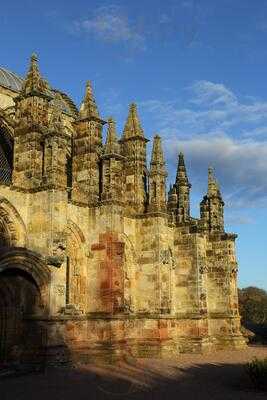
[(181, 175), (157, 153), (181, 159), (172, 198), (133, 126), (34, 83), (89, 107), (157, 157), (213, 186), (111, 145)]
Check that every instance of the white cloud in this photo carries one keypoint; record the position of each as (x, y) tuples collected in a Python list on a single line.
[(218, 127), (210, 108), (213, 94), (110, 24), (240, 165)]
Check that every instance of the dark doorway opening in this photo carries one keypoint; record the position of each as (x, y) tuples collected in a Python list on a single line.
[(21, 334)]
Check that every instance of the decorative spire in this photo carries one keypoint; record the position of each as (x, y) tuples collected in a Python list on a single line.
[(157, 153), (172, 199), (213, 186), (111, 146), (133, 126), (34, 83), (172, 194), (157, 179), (181, 175), (183, 191), (211, 207), (89, 108), (157, 158)]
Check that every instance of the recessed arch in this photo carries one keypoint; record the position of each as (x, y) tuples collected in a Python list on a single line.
[(13, 227), (129, 267), (73, 229), (76, 274), (29, 262), (24, 295), (7, 122)]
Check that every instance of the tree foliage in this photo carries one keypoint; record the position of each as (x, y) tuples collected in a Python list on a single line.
[(253, 305)]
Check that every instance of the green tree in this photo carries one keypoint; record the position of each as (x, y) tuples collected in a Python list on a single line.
[(253, 305)]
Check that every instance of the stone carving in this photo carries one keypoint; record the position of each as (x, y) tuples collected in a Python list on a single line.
[(60, 290)]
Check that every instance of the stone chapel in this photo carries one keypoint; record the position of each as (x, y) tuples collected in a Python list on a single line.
[(96, 260)]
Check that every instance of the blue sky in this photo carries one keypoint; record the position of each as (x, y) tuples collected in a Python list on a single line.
[(196, 69)]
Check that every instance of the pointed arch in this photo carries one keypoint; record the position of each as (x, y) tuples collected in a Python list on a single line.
[(6, 122), (13, 228), (73, 229), (76, 274), (24, 295), (31, 263), (130, 267)]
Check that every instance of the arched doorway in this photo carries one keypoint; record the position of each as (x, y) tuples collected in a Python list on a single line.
[(24, 282), (20, 301), (24, 300)]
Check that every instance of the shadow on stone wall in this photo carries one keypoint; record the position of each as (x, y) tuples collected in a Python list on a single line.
[(23, 328)]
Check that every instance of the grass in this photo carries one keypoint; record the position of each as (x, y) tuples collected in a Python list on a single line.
[(257, 372)]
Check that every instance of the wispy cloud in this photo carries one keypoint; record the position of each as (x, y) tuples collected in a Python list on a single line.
[(111, 25), (212, 94), (240, 165), (218, 127), (163, 24), (209, 108)]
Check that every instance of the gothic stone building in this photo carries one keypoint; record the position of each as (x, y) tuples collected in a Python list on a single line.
[(95, 260)]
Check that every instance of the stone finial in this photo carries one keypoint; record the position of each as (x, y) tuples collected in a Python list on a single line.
[(213, 186), (133, 126), (34, 83), (89, 108), (181, 175), (211, 207), (172, 194), (181, 159), (157, 178), (172, 199), (157, 157), (183, 191), (157, 153), (111, 146)]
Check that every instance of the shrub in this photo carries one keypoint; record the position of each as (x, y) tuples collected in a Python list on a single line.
[(253, 305), (257, 372)]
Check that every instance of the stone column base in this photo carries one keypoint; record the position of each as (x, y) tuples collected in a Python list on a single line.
[(229, 342), (194, 345)]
